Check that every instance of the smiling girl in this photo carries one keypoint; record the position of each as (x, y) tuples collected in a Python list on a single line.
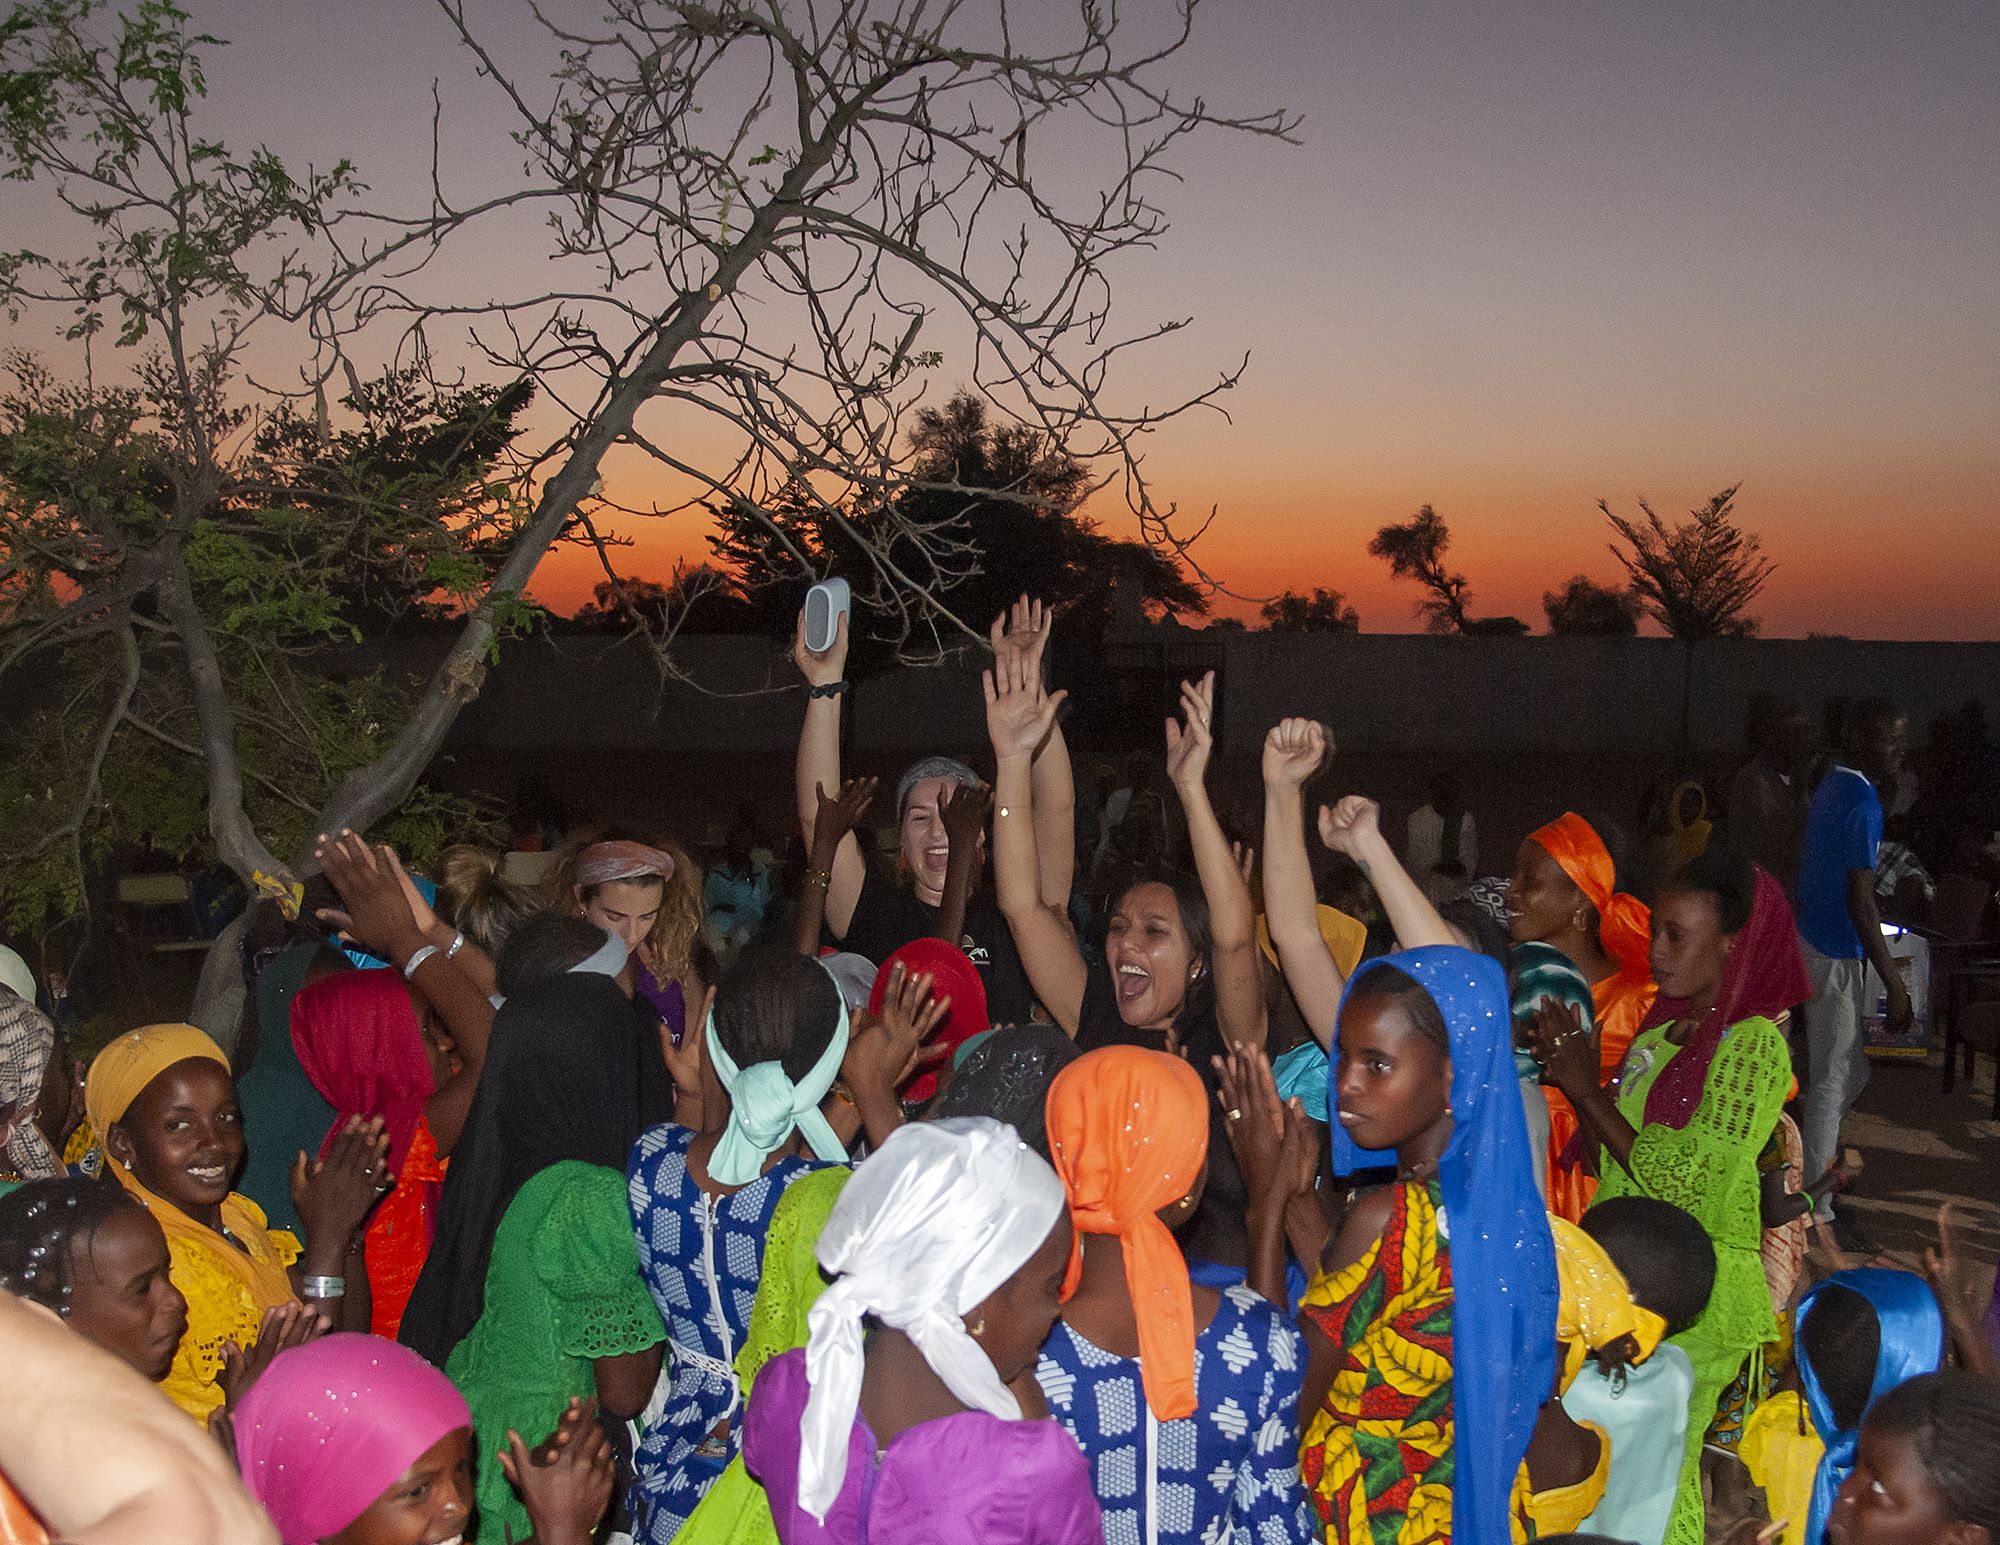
[(163, 1098), (1180, 970)]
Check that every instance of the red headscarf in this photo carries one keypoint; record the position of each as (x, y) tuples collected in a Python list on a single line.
[(1128, 1130), (1624, 926), (954, 976), (1764, 976), (359, 1040)]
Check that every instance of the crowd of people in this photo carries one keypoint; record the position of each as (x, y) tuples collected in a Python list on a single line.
[(1307, 1191)]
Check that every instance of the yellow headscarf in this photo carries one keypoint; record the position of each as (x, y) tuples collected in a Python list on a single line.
[(1345, 938), (1596, 1307), (228, 1286)]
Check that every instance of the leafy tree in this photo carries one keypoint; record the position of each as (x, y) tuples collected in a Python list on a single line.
[(1324, 611), (1587, 608), (1415, 549), (1697, 576), (701, 599), (750, 217)]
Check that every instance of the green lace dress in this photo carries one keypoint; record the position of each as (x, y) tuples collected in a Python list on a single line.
[(1709, 1169), (562, 1289)]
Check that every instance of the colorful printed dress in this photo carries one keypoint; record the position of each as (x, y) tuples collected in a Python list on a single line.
[(1230, 1472), (702, 1257), (1709, 1169), (1377, 1455)]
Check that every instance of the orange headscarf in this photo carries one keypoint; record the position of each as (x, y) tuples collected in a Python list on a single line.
[(1128, 1131), (1624, 925)]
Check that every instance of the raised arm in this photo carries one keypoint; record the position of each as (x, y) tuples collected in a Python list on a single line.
[(1026, 629), (818, 767), (1019, 716), (1240, 1008), (390, 917), (963, 811), (1354, 827), (1293, 751), (831, 828)]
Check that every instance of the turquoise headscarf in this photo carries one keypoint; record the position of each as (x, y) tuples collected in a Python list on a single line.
[(766, 1107), (1503, 1257), (1912, 1340)]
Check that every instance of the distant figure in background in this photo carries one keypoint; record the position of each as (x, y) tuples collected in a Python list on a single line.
[(736, 892), (1841, 927), (1766, 816), (1442, 833)]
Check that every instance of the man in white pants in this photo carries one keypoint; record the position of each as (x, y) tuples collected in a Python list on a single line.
[(1840, 928)]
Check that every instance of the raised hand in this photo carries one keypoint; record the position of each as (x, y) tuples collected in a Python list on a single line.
[(840, 815), (1275, 1143), (963, 811), (684, 1064), (886, 1050), (335, 1195), (820, 670), (1293, 752), (565, 1480), (1348, 826), (1020, 712), (1191, 739), (378, 916), (288, 1325), (1023, 630)]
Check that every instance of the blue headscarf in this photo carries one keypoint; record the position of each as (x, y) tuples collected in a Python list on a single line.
[(1912, 1328), (1503, 1259)]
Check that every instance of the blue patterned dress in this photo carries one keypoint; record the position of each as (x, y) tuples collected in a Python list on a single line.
[(1229, 1474), (702, 1257)]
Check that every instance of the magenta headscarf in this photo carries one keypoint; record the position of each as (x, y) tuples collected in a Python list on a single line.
[(331, 1426), (1765, 976), (359, 1040)]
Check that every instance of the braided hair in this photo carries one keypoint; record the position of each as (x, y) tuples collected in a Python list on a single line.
[(41, 1225), (1952, 1420)]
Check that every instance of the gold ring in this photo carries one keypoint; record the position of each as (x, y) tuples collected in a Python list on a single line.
[(1235, 1115)]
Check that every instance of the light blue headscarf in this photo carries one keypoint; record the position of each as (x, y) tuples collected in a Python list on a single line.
[(1912, 1328), (1503, 1258), (766, 1107)]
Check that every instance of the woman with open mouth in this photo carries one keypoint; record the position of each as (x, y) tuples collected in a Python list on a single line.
[(166, 1104), (1180, 969)]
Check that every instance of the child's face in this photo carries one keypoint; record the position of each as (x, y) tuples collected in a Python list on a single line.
[(1689, 949), (1393, 1083), (1889, 1499)]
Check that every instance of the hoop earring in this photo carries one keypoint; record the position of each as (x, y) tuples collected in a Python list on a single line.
[(980, 1328)]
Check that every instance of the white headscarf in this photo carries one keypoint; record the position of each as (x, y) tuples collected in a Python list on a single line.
[(932, 1223)]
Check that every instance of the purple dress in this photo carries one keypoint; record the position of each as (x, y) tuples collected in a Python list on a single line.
[(944, 1482), (668, 1001)]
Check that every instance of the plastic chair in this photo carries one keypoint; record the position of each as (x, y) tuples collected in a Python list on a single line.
[(1976, 1029), (1961, 958)]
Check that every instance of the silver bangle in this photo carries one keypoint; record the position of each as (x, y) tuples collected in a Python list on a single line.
[(422, 955), (457, 944), (323, 1287)]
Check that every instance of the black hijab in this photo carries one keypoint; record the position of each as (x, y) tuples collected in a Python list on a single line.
[(573, 1072)]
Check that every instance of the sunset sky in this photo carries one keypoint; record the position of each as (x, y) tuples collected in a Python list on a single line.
[(1526, 256)]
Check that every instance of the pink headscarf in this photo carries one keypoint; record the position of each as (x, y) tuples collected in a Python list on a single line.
[(603, 862), (360, 1042), (331, 1426)]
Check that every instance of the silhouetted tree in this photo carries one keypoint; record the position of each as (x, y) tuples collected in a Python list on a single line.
[(1585, 607), (991, 512), (701, 599), (1324, 611), (1494, 627), (1696, 577), (1415, 550)]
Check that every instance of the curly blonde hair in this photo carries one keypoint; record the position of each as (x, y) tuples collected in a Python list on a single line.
[(669, 950)]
